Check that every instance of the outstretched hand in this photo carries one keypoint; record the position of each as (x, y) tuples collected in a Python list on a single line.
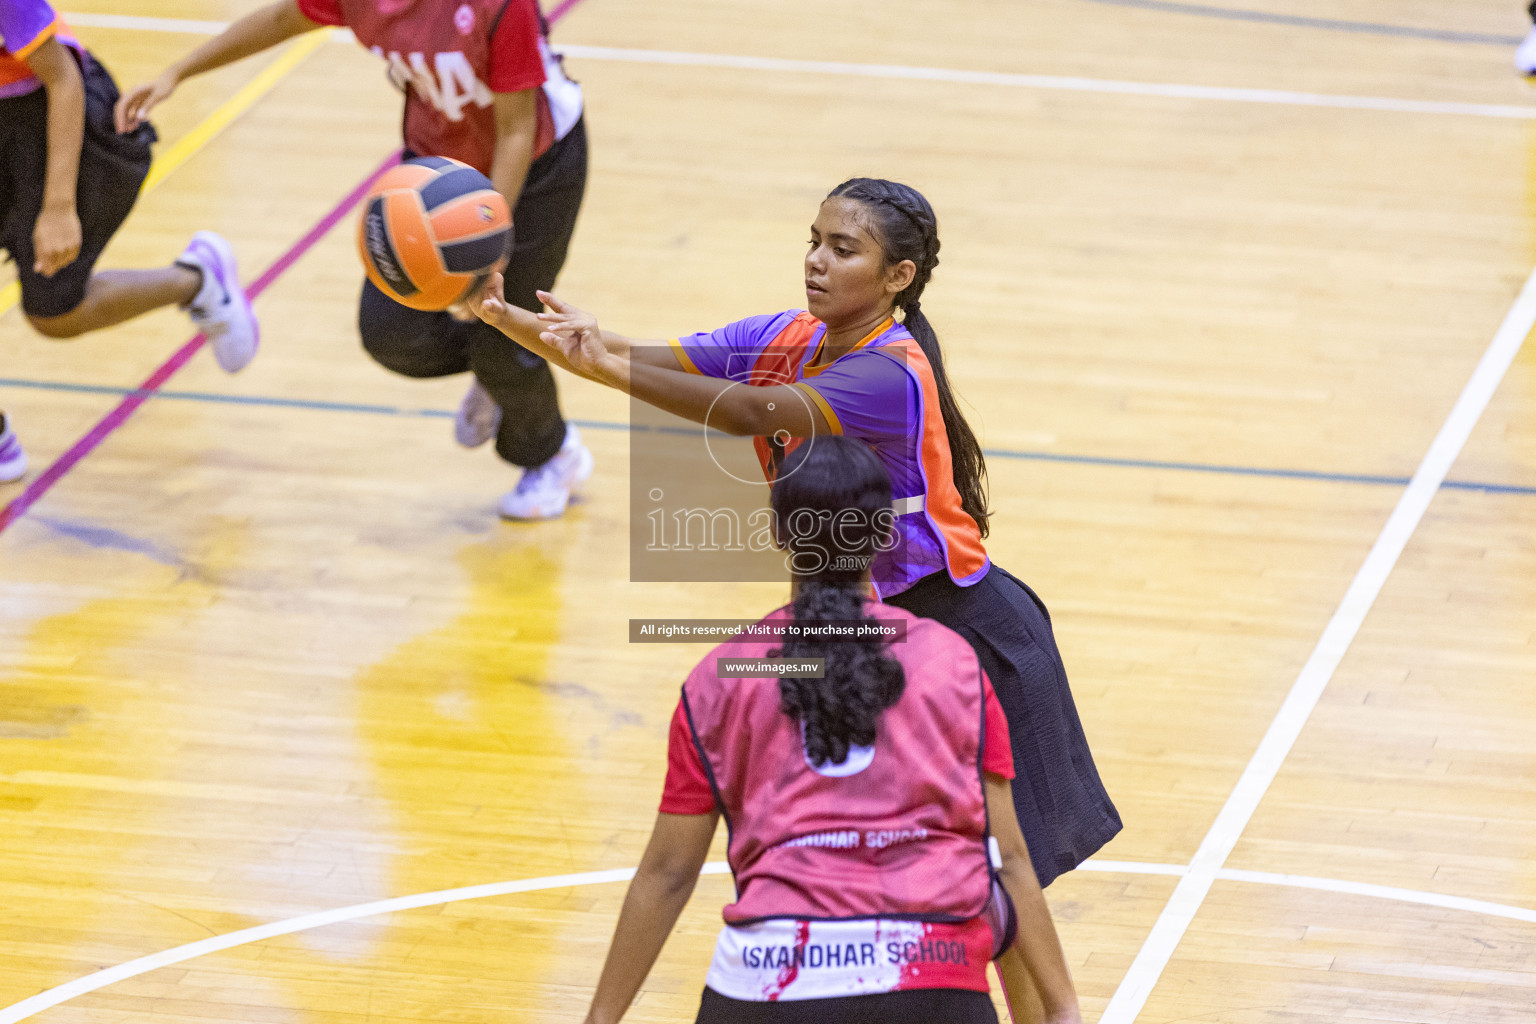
[(489, 302), (570, 332), (133, 106), (575, 334)]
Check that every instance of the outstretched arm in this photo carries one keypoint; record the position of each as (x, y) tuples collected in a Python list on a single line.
[(1034, 971), (663, 882), (260, 30), (571, 339), (529, 329), (536, 331)]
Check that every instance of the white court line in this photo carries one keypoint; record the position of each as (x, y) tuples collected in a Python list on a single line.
[(135, 23), (1131, 867), (217, 943), (1053, 82), (143, 965), (1163, 90), (1340, 632), (1384, 892)]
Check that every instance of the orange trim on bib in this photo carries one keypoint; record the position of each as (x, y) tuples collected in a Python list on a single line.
[(13, 63), (821, 403), (683, 357), (961, 535), (812, 370), (49, 31), (779, 363)]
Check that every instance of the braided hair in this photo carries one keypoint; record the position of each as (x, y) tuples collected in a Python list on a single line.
[(907, 229), (832, 504)]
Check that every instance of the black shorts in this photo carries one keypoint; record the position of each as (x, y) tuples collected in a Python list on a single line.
[(912, 1006), (112, 167)]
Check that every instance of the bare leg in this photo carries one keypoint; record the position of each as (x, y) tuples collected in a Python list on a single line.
[(1018, 988), (117, 295)]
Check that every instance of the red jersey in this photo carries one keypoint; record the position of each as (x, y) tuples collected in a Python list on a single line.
[(450, 57), (687, 789), (867, 876)]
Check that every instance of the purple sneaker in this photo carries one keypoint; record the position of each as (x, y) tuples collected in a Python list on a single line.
[(479, 417), (220, 309), (544, 491), (13, 461)]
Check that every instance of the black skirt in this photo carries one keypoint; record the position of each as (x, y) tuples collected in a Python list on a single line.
[(1063, 810)]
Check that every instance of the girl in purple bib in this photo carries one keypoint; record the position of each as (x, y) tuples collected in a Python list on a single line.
[(847, 366)]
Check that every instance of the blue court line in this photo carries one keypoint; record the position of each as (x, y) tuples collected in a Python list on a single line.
[(1329, 24), (313, 405), (1285, 474)]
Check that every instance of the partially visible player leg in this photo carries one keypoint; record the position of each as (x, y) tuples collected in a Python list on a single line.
[(1525, 53), (113, 296), (13, 460), (415, 343), (478, 419), (412, 342), (532, 433), (75, 300)]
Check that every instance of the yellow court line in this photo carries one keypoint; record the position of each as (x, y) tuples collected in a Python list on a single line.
[(184, 148)]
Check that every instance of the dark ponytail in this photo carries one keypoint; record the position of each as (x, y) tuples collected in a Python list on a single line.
[(907, 229), (832, 506)]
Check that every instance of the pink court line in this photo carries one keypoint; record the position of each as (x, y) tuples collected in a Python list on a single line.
[(130, 404)]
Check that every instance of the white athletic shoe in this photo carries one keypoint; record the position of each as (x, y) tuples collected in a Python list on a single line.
[(1525, 55), (220, 309), (13, 461), (544, 491), (479, 417)]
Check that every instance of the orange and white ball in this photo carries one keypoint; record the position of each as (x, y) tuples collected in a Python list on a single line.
[(430, 230)]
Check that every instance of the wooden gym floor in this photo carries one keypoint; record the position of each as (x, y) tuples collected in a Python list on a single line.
[(266, 651)]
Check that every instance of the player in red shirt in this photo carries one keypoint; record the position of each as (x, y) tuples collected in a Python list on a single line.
[(483, 87), (877, 859)]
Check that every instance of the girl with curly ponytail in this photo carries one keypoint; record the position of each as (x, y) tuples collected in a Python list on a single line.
[(830, 557), (878, 862)]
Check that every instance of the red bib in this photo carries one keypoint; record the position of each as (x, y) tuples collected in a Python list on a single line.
[(899, 831), (451, 56)]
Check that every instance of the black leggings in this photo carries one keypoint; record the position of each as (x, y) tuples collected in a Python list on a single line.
[(421, 344), (913, 1006)]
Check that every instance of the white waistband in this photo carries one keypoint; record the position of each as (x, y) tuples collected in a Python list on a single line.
[(788, 959)]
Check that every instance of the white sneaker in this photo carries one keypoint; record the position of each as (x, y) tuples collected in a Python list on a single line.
[(479, 417), (544, 491), (1525, 55), (13, 461), (220, 309)]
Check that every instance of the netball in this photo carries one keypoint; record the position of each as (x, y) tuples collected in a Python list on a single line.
[(430, 229)]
